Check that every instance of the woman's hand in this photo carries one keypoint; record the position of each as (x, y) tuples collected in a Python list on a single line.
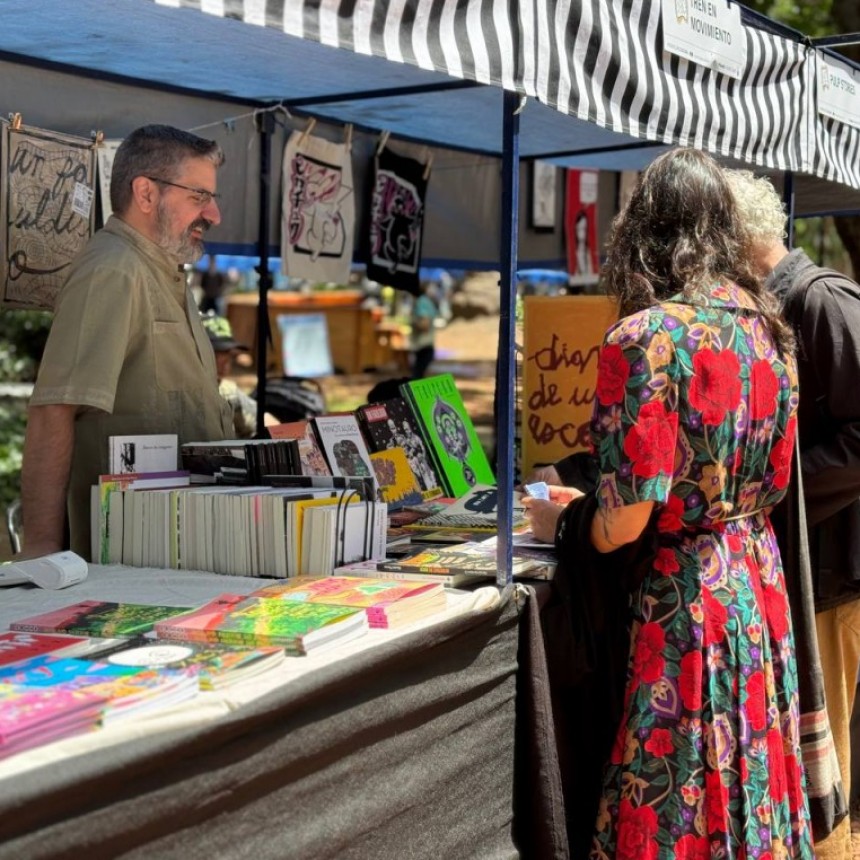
[(542, 517)]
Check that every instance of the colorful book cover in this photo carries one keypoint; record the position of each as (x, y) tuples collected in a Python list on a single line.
[(32, 717), (15, 647), (385, 601), (457, 454), (289, 624), (369, 569), (472, 558), (343, 445), (98, 618), (312, 458), (397, 481), (217, 665), (477, 509), (49, 671), (392, 424), (194, 625)]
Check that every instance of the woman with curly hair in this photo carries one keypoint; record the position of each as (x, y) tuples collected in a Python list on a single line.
[(693, 430)]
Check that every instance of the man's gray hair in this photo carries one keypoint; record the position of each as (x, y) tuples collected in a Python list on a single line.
[(158, 151), (759, 206)]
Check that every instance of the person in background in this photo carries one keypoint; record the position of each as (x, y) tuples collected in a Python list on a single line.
[(214, 285), (243, 406), (423, 338), (823, 306), (693, 431), (127, 353)]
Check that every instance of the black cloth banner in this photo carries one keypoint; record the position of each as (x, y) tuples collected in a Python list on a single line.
[(396, 221)]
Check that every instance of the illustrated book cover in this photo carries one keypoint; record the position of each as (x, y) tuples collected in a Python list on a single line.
[(475, 558), (371, 570), (392, 424), (144, 453), (98, 618), (18, 646), (313, 460), (397, 482), (218, 666), (387, 602), (343, 445), (458, 456), (297, 627), (477, 509)]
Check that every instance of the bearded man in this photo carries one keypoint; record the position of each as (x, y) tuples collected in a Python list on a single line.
[(127, 353)]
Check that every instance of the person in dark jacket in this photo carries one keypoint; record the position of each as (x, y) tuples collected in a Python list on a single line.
[(823, 306)]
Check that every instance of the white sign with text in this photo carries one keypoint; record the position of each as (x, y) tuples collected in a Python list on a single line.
[(707, 32), (838, 89)]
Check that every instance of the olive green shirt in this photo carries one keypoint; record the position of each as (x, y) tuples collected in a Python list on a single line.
[(127, 347)]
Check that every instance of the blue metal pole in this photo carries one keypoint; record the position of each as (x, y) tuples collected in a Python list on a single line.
[(788, 199), (506, 366)]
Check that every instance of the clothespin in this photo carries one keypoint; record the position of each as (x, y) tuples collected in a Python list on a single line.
[(97, 137), (347, 136), (15, 121), (383, 139), (427, 166), (308, 129), (521, 106)]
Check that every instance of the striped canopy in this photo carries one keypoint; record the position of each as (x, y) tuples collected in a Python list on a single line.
[(597, 61)]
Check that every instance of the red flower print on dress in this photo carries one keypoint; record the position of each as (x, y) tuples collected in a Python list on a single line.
[(660, 744), (716, 384), (670, 516), (780, 456), (692, 847), (716, 802), (690, 680), (613, 372), (666, 562), (650, 442), (756, 701), (636, 829), (716, 616), (648, 659), (794, 779), (776, 612), (776, 766), (764, 388)]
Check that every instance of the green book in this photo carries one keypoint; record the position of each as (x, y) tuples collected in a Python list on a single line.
[(98, 618), (296, 627), (458, 457)]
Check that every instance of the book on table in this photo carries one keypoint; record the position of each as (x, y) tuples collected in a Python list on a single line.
[(298, 627), (371, 570), (31, 717), (343, 445), (253, 622), (127, 690), (449, 435), (218, 666), (17, 646), (98, 618), (387, 602), (392, 424), (313, 461), (477, 509), (397, 483), (476, 558)]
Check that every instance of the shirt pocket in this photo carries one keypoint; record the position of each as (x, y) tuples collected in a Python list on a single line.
[(172, 347)]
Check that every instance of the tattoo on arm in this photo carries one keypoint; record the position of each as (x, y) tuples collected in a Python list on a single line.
[(604, 517)]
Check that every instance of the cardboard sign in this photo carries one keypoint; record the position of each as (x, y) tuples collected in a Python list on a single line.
[(561, 343)]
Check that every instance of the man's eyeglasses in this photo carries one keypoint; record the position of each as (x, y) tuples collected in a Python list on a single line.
[(200, 195)]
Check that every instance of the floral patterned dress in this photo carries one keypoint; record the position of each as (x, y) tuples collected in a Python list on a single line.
[(695, 410)]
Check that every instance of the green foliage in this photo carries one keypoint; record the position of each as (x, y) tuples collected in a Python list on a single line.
[(811, 19), (22, 341), (13, 420)]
